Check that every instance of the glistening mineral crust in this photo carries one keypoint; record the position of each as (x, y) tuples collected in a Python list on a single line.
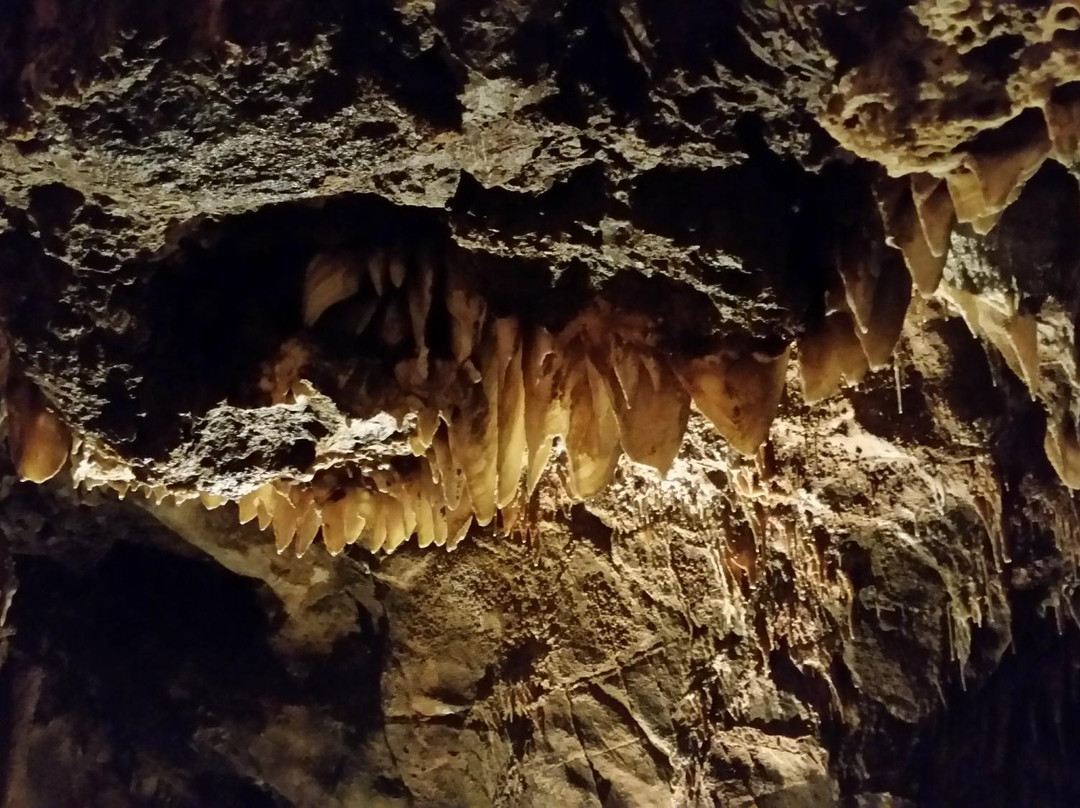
[(513, 403)]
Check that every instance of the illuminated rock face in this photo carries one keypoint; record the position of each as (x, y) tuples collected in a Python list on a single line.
[(479, 397), (729, 346)]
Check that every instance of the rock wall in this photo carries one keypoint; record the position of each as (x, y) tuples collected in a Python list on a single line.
[(539, 403)]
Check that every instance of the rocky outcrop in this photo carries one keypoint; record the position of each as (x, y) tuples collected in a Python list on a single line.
[(530, 404)]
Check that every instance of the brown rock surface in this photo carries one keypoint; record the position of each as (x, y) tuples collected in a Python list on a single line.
[(723, 351)]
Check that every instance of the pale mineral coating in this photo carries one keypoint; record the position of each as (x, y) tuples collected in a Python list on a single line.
[(950, 74), (791, 523)]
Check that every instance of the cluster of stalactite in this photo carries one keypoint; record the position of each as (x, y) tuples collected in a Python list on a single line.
[(920, 212), (486, 405), (487, 398), (490, 400), (958, 149)]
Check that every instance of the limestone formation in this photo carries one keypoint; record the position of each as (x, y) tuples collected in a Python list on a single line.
[(523, 404)]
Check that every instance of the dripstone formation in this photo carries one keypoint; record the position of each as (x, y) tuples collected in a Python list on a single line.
[(520, 403)]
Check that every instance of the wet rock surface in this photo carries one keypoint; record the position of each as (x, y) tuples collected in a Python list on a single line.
[(863, 213)]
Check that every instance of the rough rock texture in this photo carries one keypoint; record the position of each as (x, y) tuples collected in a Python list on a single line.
[(875, 607)]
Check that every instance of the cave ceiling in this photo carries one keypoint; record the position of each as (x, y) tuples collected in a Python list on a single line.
[(539, 403)]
